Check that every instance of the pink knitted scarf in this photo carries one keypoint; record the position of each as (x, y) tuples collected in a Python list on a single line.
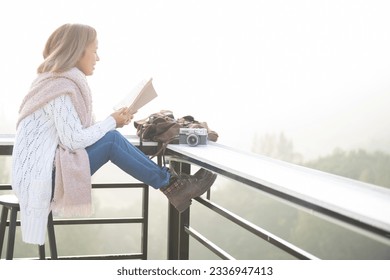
[(72, 195)]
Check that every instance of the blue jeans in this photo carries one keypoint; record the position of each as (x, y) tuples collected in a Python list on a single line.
[(115, 147)]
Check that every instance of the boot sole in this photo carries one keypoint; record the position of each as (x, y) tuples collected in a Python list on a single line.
[(208, 183), (182, 207), (207, 186)]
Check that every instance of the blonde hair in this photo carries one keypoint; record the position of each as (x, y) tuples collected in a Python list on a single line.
[(65, 47)]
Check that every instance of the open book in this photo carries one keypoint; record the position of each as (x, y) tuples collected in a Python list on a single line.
[(142, 94)]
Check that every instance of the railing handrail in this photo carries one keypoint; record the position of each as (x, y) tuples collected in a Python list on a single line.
[(336, 197)]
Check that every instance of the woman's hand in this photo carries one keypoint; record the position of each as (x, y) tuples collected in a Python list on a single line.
[(122, 117)]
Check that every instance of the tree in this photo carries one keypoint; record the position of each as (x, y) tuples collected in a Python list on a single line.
[(369, 167), (276, 146), (356, 164)]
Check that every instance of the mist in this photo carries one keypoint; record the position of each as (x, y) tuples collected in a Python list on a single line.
[(315, 71)]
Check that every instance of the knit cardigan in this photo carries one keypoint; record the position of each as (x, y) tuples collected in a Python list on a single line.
[(56, 115)]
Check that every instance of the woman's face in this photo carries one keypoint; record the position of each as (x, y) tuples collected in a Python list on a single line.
[(87, 62)]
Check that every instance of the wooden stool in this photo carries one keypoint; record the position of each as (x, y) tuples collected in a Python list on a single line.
[(10, 202)]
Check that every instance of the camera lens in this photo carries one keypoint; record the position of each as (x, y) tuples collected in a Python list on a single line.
[(192, 140)]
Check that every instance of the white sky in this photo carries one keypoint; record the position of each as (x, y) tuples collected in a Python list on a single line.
[(317, 70)]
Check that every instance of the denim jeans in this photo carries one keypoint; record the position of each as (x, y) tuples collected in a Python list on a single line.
[(115, 147)]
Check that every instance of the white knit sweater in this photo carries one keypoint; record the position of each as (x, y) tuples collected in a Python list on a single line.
[(37, 138)]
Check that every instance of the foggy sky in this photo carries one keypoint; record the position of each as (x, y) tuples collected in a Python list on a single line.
[(316, 70)]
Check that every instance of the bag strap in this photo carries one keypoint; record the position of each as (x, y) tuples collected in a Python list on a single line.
[(162, 149)]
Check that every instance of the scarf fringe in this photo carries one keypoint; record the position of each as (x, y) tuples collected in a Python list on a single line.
[(71, 210)]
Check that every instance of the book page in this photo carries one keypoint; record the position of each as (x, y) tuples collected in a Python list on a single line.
[(142, 94)]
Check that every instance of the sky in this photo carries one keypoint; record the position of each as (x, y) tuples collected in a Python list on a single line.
[(318, 71)]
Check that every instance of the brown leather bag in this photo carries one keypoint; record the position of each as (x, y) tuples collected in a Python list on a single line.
[(162, 127), (158, 127)]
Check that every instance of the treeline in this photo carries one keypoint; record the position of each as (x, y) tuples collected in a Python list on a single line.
[(369, 167), (359, 164)]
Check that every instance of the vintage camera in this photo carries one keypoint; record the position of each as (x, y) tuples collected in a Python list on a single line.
[(193, 136)]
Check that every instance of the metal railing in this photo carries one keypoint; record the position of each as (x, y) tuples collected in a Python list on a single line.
[(376, 227), (180, 230), (142, 220)]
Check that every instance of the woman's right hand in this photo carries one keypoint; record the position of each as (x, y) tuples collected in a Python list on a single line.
[(122, 117)]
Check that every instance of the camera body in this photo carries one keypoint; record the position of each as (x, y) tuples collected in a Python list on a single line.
[(193, 136)]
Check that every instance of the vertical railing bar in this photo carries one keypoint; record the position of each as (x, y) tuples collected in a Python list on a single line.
[(178, 240), (173, 240), (184, 246), (145, 227), (173, 233), (208, 194)]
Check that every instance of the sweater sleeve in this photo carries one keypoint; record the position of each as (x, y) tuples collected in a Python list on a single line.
[(70, 130)]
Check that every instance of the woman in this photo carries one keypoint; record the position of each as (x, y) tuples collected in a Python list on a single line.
[(58, 141)]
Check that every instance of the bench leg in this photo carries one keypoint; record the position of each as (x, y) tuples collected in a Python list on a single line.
[(52, 238), (3, 225), (11, 234), (42, 253)]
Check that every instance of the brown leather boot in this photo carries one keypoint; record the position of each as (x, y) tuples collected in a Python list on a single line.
[(186, 187), (200, 173)]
